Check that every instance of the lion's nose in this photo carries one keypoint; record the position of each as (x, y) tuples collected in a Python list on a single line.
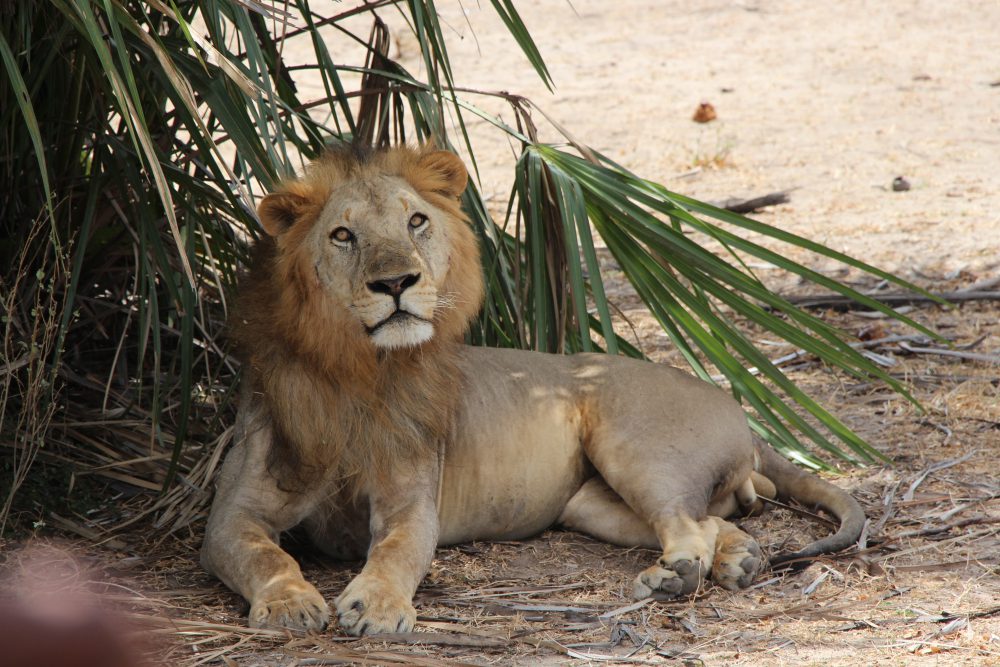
[(394, 286)]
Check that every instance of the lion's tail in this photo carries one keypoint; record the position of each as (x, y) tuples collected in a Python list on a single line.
[(791, 482)]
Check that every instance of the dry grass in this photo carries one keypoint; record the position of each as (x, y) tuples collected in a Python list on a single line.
[(922, 590), (32, 311)]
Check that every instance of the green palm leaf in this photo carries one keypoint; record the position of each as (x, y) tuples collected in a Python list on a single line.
[(137, 137)]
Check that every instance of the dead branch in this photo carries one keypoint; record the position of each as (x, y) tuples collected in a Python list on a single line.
[(948, 527), (744, 206), (841, 302), (970, 356)]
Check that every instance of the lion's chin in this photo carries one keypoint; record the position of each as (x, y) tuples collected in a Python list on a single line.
[(399, 332)]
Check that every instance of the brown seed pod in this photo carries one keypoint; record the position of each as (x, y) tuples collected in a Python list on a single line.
[(704, 113)]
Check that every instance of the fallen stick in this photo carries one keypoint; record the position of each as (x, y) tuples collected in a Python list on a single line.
[(626, 609), (743, 206), (982, 285), (984, 613), (441, 639), (841, 302), (948, 527), (971, 356), (937, 467)]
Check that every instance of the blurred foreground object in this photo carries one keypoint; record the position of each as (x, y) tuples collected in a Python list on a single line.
[(52, 616), (87, 639)]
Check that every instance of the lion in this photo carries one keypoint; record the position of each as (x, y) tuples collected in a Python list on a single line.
[(365, 417)]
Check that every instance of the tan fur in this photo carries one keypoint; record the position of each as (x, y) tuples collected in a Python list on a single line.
[(365, 418), (337, 411)]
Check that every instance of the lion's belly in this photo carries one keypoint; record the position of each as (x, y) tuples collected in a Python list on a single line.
[(517, 457)]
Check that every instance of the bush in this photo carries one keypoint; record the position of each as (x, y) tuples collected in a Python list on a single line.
[(136, 137)]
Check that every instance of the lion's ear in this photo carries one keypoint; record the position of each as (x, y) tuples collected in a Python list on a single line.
[(448, 170), (279, 211)]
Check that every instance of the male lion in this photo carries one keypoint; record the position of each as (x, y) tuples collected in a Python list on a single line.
[(365, 417)]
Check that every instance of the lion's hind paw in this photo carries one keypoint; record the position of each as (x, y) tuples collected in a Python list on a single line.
[(738, 559), (670, 579)]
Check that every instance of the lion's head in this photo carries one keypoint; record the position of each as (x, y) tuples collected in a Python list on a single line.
[(375, 248), (348, 318)]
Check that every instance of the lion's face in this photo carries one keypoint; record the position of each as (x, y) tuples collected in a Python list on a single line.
[(382, 250), (384, 243)]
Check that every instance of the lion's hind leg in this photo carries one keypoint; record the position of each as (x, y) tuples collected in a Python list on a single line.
[(688, 552), (601, 513), (694, 550), (710, 547), (745, 500)]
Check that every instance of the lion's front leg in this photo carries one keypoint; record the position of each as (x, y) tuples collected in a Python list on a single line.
[(404, 535), (241, 541), (242, 551), (270, 580)]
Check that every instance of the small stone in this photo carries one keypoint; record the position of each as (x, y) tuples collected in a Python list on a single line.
[(704, 113)]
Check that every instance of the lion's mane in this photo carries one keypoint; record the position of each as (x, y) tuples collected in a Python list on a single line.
[(339, 408)]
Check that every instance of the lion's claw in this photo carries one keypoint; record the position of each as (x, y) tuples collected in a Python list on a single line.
[(295, 606), (369, 608)]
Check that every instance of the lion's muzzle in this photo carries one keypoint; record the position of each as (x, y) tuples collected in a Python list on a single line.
[(402, 327)]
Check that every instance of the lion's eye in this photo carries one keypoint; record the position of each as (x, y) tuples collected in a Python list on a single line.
[(418, 221), (342, 235)]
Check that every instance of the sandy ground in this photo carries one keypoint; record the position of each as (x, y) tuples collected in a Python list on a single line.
[(833, 100)]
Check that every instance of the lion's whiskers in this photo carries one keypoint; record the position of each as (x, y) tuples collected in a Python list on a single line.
[(450, 300)]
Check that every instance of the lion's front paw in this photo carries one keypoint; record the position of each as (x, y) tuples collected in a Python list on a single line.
[(738, 560), (671, 577), (368, 607), (295, 605)]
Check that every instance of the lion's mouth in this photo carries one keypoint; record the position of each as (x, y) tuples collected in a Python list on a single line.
[(400, 316)]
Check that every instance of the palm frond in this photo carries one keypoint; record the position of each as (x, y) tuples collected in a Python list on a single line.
[(136, 137)]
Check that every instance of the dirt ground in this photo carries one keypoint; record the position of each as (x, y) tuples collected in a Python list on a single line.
[(831, 101)]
